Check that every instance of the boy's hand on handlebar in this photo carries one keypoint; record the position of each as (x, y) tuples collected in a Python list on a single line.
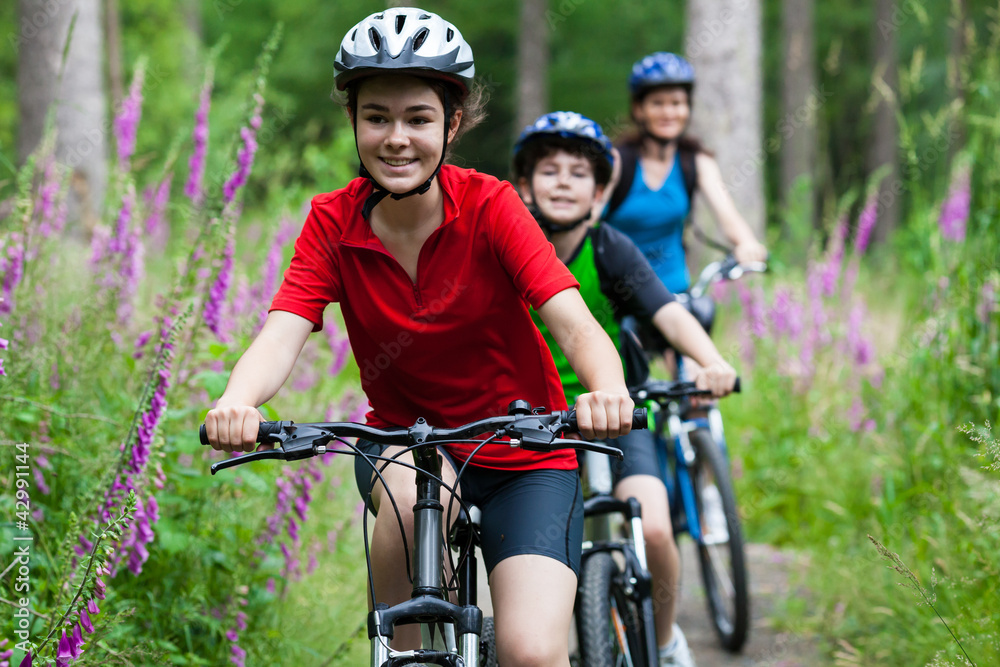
[(719, 377), (233, 428), (602, 414), (750, 251)]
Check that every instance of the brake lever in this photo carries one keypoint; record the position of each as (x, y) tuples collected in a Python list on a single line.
[(247, 458), (534, 432), (300, 443)]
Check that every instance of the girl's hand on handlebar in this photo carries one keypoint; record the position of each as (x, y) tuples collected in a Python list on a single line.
[(233, 428), (602, 414), (719, 377), (750, 251)]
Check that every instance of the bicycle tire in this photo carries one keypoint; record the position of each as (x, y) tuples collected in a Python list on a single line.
[(609, 625), (728, 598), (488, 643)]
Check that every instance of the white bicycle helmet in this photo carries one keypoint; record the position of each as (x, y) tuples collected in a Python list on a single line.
[(405, 39)]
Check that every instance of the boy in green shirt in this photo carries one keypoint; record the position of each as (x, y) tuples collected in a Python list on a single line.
[(563, 164)]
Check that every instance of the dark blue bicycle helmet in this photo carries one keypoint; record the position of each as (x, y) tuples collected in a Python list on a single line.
[(569, 125), (660, 69)]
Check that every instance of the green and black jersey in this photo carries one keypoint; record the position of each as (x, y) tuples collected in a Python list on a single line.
[(615, 280)]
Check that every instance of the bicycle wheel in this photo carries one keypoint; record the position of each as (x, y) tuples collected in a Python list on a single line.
[(609, 625), (723, 566), (488, 644)]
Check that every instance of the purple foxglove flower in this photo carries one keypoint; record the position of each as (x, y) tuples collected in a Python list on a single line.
[(866, 223), (65, 649), (4, 343), (232, 636), (245, 156), (212, 312), (76, 642), (93, 608), (238, 657), (241, 620), (156, 206), (28, 659), (955, 211), (40, 481), (85, 621), (196, 165), (270, 586), (126, 123)]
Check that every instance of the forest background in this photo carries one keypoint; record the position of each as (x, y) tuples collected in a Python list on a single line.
[(859, 138)]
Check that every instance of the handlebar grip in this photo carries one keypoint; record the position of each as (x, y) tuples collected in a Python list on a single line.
[(264, 431), (639, 419), (736, 386)]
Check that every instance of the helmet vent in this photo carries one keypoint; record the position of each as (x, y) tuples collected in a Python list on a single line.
[(450, 34), (419, 40), (354, 35), (400, 22), (424, 17), (375, 38)]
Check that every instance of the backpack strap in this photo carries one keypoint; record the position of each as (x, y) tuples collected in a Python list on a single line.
[(630, 160), (689, 169)]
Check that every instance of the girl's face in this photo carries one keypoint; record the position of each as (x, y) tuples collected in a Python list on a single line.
[(563, 187), (400, 130), (664, 111)]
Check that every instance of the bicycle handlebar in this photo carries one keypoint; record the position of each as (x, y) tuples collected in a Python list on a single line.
[(525, 428), (726, 268), (666, 390)]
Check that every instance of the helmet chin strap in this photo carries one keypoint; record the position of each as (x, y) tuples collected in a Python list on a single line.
[(662, 144), (379, 192)]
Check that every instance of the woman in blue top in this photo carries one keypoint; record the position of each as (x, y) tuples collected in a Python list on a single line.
[(662, 168)]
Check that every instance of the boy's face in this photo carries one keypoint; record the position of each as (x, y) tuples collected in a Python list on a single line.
[(563, 186)]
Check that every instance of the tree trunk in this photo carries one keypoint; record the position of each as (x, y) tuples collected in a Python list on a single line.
[(800, 102), (532, 63), (724, 45), (77, 93), (116, 69), (885, 139)]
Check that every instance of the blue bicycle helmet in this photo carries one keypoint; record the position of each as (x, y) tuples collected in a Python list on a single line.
[(569, 125), (660, 69)]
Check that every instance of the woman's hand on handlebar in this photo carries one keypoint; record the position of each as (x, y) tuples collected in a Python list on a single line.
[(719, 377), (603, 414), (233, 428), (750, 251)]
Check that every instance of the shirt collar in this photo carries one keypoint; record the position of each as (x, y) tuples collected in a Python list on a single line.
[(358, 231)]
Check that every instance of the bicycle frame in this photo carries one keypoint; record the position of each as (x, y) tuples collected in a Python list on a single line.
[(429, 603)]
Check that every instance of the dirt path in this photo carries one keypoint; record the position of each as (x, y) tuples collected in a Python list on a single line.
[(769, 584)]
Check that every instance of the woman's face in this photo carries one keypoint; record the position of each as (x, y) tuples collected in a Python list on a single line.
[(664, 112), (400, 130)]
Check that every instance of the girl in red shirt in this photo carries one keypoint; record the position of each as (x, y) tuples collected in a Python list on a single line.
[(434, 268)]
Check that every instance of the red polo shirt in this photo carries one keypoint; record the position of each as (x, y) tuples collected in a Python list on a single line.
[(459, 344)]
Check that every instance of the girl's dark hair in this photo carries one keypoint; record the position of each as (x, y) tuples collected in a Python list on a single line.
[(473, 105), (542, 146)]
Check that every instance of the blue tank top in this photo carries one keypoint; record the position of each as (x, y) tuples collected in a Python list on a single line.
[(654, 220)]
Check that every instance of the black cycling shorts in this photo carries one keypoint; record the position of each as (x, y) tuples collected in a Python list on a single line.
[(523, 511), (640, 458)]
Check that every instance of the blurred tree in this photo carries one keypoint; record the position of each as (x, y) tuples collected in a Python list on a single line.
[(724, 45), (884, 146), (532, 63), (113, 41), (75, 85), (799, 100)]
